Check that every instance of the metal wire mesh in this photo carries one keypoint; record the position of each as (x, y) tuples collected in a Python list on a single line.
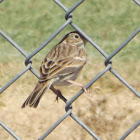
[(1, 0), (68, 107), (137, 2), (9, 131)]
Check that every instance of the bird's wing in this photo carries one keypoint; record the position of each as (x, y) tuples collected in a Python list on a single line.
[(60, 64)]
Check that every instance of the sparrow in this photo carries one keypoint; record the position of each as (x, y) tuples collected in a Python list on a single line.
[(60, 67)]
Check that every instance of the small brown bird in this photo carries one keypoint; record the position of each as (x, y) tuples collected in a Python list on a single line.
[(60, 67)]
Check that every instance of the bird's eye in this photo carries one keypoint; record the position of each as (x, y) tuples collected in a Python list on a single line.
[(76, 36)]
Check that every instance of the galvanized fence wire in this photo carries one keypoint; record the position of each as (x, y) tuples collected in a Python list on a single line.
[(68, 107), (1, 1), (9, 131), (137, 2)]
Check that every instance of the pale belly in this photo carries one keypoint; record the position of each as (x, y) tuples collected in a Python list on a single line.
[(63, 81)]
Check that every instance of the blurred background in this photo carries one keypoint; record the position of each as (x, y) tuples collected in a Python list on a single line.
[(111, 109)]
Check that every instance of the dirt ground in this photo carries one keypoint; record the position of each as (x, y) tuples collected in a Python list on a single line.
[(109, 111)]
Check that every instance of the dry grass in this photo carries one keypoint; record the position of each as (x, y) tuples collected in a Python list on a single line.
[(109, 111)]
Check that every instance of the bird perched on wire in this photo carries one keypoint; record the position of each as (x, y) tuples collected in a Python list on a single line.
[(60, 67)]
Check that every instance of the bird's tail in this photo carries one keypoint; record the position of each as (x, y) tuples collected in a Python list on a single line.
[(35, 96)]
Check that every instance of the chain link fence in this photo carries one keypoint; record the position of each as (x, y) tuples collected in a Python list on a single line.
[(68, 107)]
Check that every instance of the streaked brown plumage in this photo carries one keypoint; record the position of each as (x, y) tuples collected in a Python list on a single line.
[(60, 67)]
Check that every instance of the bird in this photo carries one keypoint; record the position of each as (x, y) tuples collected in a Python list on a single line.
[(60, 67)]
